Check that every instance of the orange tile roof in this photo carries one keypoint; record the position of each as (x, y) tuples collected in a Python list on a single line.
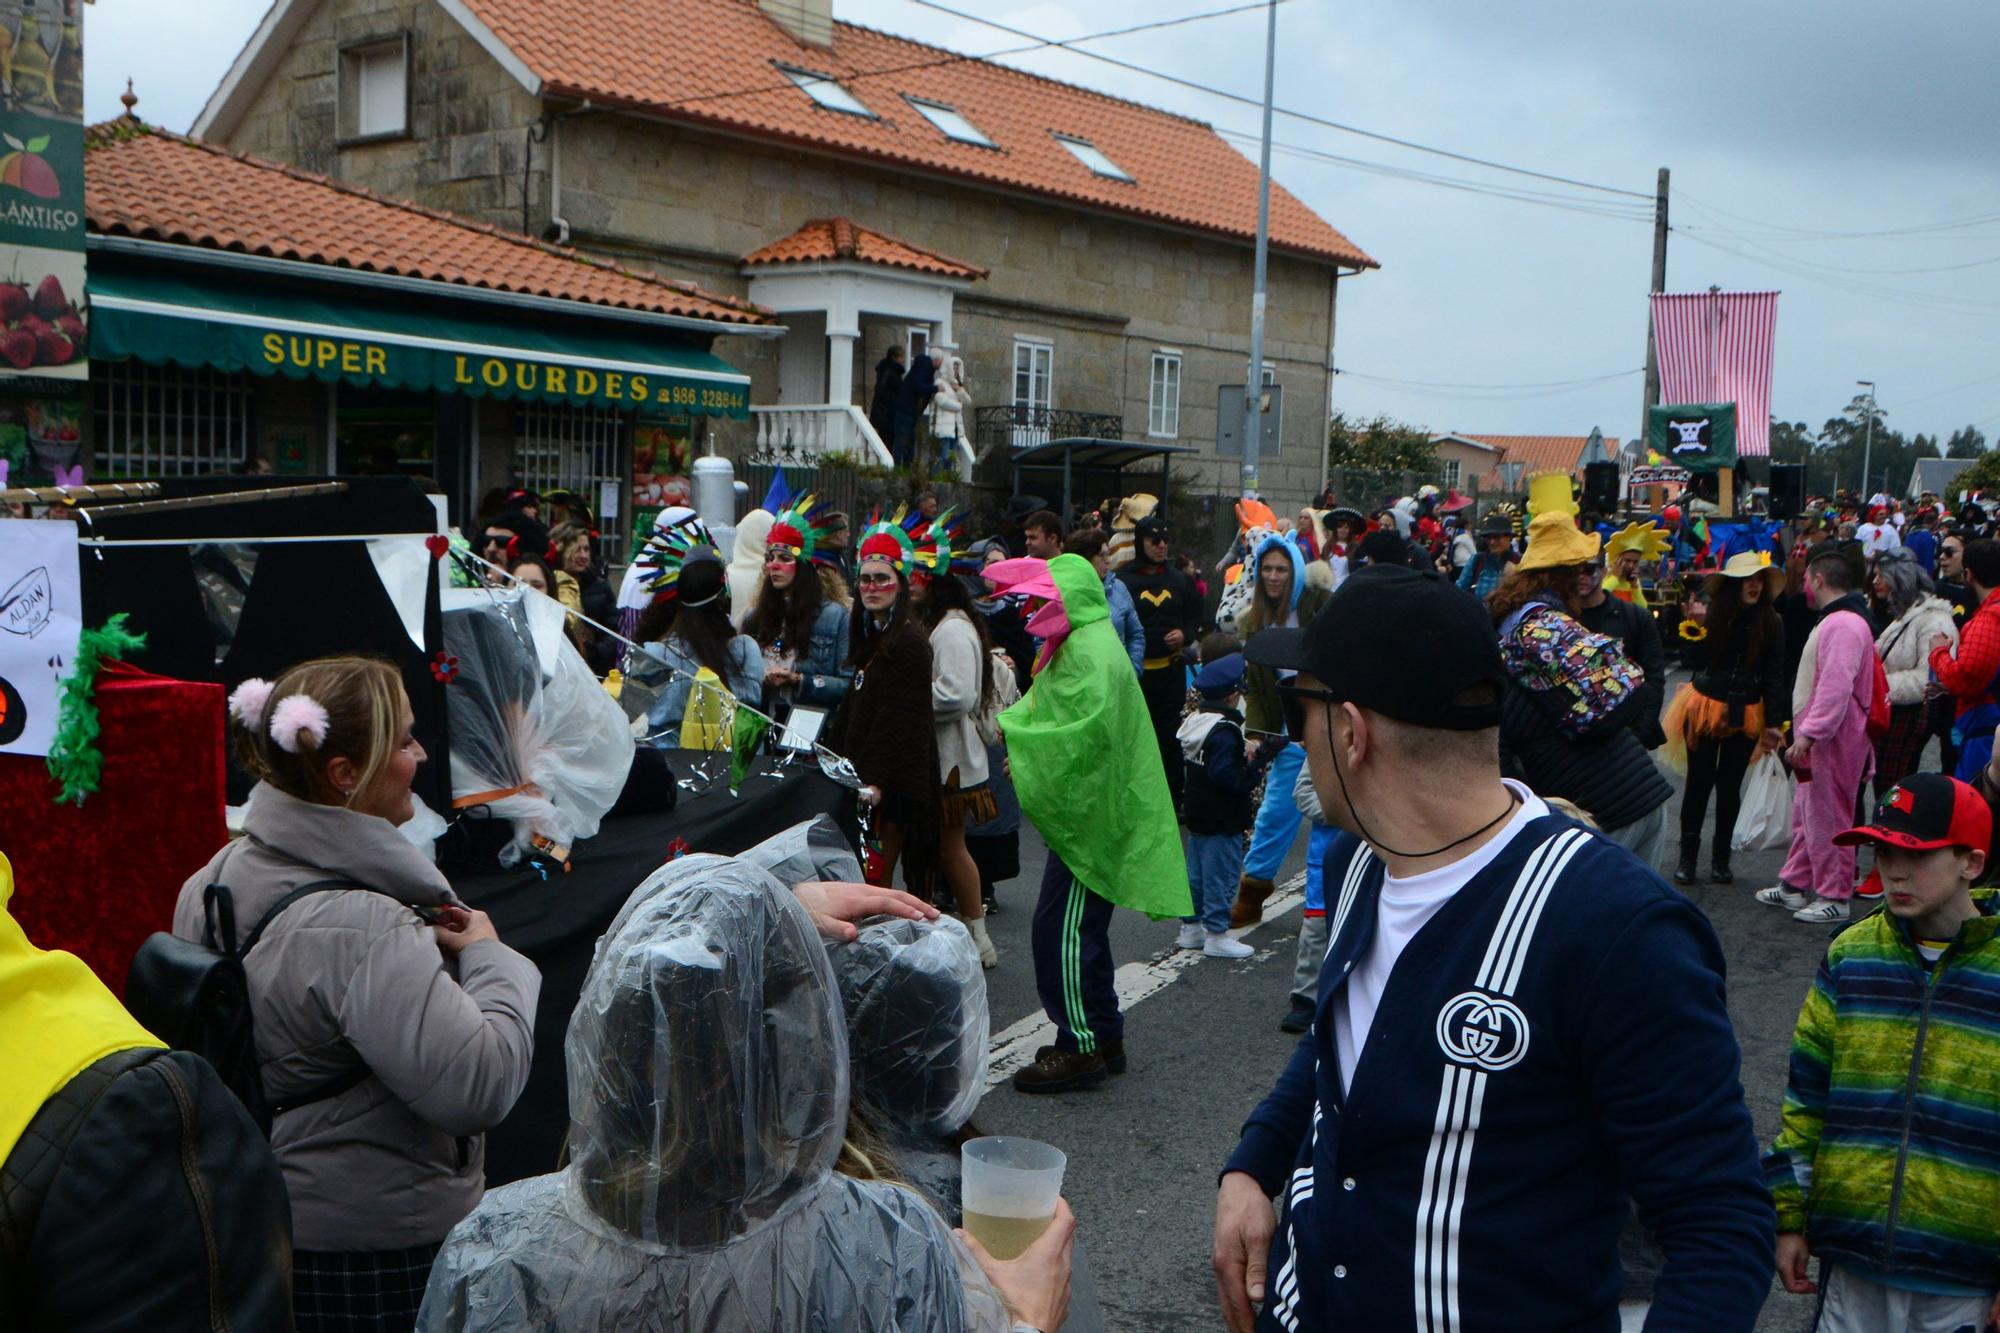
[(824, 240), (717, 63), (1542, 453), (145, 182)]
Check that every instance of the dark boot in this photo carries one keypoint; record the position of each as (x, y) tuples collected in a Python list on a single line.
[(1060, 1071), (1684, 871), (1718, 866), (1111, 1048), (1298, 1018)]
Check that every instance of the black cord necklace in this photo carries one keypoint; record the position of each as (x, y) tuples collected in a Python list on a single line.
[(1333, 753)]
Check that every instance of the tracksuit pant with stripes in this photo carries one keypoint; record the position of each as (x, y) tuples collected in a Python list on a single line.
[(1073, 967)]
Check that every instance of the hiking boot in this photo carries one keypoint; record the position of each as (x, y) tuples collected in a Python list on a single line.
[(1718, 869), (1249, 906), (1060, 1071), (1780, 895), (1297, 1019), (1190, 936), (1825, 912), (1218, 945)]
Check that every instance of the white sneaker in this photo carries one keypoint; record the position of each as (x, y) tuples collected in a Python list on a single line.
[(1221, 946), (1780, 896), (1190, 936), (1825, 912)]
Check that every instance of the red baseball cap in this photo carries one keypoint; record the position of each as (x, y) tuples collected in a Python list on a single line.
[(1926, 811)]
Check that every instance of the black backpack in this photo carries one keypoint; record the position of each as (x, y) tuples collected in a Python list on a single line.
[(195, 997)]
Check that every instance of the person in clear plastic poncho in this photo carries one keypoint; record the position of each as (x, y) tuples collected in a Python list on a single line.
[(708, 1086)]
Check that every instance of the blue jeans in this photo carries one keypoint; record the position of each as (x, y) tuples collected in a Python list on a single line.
[(1215, 863), (1278, 817)]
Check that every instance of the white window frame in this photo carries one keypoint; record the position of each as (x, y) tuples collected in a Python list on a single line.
[(1450, 469), (168, 421), (950, 122), (1094, 159), (575, 447), (1028, 431), (374, 93), (1269, 377), (1163, 395), (827, 92), (916, 343)]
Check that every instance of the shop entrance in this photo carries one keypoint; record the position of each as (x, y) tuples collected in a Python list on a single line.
[(384, 432)]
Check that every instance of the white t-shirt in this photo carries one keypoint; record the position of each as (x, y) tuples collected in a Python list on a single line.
[(1404, 908), (1876, 538)]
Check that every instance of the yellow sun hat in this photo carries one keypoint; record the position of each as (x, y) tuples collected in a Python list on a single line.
[(1745, 565), (1649, 541), (1554, 541)]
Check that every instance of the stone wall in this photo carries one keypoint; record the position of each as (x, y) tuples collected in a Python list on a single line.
[(1106, 291)]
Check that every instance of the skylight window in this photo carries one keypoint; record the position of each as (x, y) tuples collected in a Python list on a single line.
[(1089, 154), (827, 93), (951, 124)]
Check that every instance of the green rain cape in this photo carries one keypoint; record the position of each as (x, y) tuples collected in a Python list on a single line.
[(1086, 766)]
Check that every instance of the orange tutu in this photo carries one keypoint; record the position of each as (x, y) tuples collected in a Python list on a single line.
[(1693, 718)]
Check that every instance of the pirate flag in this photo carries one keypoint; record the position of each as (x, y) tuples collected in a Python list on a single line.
[(1700, 437)]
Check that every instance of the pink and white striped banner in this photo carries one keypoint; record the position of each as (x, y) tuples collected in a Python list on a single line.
[(1715, 347)]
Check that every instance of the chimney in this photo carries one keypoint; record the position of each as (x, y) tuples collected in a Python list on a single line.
[(810, 22)]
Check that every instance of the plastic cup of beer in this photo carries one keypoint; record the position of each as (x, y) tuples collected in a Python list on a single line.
[(1010, 1191)]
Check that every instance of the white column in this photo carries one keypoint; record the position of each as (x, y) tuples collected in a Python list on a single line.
[(840, 366)]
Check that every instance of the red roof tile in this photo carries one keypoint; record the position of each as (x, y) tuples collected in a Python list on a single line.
[(824, 240), (717, 62), (1542, 453), (149, 183)]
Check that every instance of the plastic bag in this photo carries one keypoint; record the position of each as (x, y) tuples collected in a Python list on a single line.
[(534, 738), (1765, 824)]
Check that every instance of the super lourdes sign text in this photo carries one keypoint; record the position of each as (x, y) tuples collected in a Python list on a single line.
[(506, 375)]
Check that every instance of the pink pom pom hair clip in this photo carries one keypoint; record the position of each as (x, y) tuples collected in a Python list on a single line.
[(298, 716), (248, 701)]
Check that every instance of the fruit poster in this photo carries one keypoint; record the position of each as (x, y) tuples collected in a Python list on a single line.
[(41, 610), (44, 318)]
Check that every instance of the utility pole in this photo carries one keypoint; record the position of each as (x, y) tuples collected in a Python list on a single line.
[(1867, 442), (1253, 383), (1659, 285)]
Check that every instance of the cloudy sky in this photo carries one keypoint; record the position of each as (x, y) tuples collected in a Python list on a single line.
[(1839, 152)]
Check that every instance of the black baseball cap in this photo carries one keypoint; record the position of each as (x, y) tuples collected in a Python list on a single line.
[(1397, 641), (1923, 812)]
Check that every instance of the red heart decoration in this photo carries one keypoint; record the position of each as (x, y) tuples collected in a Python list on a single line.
[(437, 544)]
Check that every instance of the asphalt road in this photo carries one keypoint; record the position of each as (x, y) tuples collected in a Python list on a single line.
[(1144, 1148)]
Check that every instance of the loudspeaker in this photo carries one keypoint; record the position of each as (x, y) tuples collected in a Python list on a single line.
[(1788, 491), (1600, 488)]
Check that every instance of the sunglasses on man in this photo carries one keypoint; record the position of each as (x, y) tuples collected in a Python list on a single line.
[(1292, 704)]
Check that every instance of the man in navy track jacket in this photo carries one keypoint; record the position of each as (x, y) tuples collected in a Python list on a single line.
[(1519, 1026)]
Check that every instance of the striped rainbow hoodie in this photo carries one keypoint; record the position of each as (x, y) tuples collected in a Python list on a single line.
[(1890, 1152)]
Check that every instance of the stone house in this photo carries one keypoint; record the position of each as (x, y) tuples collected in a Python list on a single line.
[(1087, 256)]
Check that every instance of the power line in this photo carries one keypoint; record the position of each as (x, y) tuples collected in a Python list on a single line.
[(1573, 203), (956, 57), (1790, 233), (1310, 119)]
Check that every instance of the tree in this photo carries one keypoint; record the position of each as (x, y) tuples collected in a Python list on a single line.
[(1378, 444), (1965, 442)]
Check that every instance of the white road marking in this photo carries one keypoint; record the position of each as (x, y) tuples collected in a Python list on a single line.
[(1135, 981)]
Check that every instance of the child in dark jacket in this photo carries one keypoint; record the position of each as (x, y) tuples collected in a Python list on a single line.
[(1223, 770)]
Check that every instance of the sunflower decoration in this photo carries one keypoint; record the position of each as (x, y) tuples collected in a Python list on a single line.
[(1693, 631)]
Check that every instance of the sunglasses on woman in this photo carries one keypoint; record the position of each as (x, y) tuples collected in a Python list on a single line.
[(876, 581)]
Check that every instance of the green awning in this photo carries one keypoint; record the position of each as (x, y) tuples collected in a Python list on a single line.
[(271, 329)]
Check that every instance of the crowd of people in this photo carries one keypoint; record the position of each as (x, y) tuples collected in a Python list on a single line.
[(776, 1055)]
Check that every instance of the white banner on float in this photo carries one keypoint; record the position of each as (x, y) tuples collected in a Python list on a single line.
[(41, 615)]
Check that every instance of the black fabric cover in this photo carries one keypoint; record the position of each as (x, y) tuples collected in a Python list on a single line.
[(557, 922)]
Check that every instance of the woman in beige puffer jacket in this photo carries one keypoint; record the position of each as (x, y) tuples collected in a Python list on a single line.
[(1903, 591), (392, 1025)]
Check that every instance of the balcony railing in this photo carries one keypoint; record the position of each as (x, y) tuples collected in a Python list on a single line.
[(1024, 427), (804, 432)]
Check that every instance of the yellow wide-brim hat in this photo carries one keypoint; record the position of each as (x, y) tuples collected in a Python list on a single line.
[(1554, 541), (1746, 565)]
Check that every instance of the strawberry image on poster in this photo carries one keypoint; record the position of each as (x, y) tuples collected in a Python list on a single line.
[(26, 169), (40, 327)]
